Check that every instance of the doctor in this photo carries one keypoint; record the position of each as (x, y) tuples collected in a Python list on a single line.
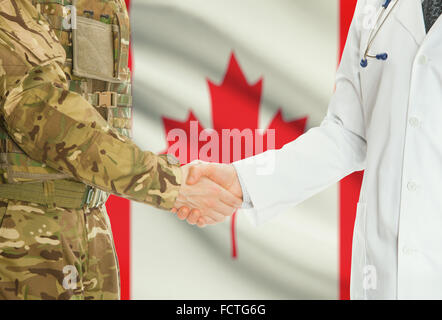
[(385, 117)]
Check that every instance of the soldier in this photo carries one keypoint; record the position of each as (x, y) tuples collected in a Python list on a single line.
[(65, 106)]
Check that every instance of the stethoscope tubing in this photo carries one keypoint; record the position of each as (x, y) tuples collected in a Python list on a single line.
[(380, 21)]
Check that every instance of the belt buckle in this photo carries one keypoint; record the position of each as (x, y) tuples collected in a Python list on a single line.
[(107, 99), (95, 198)]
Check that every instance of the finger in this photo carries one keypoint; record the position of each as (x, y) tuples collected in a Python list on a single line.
[(174, 210), (197, 212), (229, 199), (221, 208), (201, 220), (208, 220), (183, 213), (194, 175), (210, 206), (214, 215), (200, 223), (193, 217)]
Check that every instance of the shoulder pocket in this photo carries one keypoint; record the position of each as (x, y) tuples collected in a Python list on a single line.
[(93, 50)]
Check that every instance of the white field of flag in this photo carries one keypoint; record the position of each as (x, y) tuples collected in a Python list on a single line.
[(178, 46)]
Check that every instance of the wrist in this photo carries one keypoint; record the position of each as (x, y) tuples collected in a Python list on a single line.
[(244, 195)]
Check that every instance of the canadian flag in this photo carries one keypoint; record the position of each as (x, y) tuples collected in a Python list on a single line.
[(210, 66)]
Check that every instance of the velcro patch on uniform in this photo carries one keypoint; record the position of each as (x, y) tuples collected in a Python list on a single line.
[(93, 50)]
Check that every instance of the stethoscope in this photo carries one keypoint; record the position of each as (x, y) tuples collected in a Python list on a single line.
[(382, 17)]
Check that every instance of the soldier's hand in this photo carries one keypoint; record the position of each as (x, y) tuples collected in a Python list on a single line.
[(203, 201)]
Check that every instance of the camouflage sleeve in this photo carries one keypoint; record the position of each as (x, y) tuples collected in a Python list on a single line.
[(60, 128)]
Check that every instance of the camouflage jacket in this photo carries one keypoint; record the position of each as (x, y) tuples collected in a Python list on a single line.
[(58, 128)]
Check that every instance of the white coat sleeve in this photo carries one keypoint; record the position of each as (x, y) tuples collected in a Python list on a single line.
[(278, 179)]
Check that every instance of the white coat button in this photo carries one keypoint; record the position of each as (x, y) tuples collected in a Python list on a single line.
[(411, 186), (407, 251), (414, 122), (423, 59)]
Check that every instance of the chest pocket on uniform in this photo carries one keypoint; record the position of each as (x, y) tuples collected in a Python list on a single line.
[(95, 48)]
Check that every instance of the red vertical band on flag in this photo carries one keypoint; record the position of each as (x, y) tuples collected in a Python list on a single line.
[(119, 213), (233, 235), (350, 186)]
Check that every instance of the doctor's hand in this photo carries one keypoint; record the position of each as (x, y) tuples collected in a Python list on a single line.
[(223, 175), (202, 201)]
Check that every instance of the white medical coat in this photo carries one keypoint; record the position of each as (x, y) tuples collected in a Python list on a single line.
[(386, 119)]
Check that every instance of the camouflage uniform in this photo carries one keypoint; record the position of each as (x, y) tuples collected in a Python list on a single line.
[(64, 146)]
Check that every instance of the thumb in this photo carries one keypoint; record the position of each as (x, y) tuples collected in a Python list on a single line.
[(195, 173)]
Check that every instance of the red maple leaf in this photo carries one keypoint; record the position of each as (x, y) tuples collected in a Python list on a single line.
[(235, 105)]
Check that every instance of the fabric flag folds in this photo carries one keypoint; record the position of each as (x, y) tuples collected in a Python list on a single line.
[(208, 66)]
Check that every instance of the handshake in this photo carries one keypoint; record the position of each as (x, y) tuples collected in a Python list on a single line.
[(209, 193)]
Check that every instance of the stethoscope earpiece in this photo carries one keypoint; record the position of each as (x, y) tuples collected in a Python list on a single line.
[(382, 56), (364, 63)]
